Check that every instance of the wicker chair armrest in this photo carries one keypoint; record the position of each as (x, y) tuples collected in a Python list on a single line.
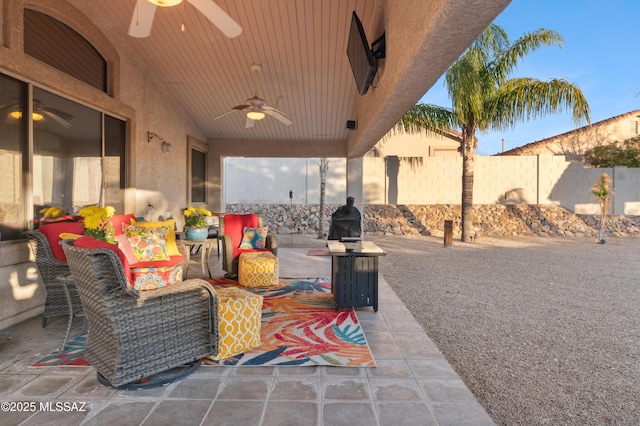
[(39, 244), (227, 252), (190, 285), (272, 243)]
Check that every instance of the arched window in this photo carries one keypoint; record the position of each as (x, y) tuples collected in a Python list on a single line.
[(54, 43)]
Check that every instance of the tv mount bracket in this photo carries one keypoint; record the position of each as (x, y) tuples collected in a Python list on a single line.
[(379, 48)]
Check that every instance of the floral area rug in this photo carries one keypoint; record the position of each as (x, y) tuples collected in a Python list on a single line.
[(300, 327), (72, 356)]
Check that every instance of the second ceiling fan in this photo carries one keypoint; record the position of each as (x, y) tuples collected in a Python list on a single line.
[(257, 109), (145, 10)]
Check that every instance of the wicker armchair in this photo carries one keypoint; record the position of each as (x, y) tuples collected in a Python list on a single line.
[(134, 335), (50, 269), (231, 228)]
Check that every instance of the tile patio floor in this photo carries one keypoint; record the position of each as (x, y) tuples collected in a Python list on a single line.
[(411, 385)]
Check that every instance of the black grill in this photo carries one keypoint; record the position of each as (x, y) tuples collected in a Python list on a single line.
[(346, 223)]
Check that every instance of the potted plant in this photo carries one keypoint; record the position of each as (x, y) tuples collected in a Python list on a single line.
[(96, 222), (196, 226)]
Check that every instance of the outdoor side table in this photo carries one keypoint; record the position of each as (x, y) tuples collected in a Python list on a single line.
[(206, 247), (354, 273)]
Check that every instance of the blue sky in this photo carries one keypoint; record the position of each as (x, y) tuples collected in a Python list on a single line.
[(600, 55)]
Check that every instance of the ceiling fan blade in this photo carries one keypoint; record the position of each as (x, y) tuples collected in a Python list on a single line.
[(142, 19), (241, 107), (64, 123), (224, 113), (249, 123), (8, 106), (279, 115), (218, 17), (59, 113)]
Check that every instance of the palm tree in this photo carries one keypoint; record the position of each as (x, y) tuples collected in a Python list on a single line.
[(324, 167), (601, 191), (484, 98)]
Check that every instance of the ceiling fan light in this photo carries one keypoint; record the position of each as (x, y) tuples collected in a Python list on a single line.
[(255, 115), (165, 3), (36, 116)]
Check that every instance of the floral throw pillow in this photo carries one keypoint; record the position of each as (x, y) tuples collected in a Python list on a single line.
[(254, 238), (148, 243)]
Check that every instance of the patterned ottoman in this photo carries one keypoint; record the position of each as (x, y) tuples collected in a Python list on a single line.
[(258, 269), (239, 317)]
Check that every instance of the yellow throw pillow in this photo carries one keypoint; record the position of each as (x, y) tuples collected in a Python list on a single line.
[(69, 236), (172, 246)]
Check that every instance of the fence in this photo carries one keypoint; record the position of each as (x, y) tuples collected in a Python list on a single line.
[(539, 179)]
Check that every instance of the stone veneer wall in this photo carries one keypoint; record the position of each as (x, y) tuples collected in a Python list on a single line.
[(489, 220)]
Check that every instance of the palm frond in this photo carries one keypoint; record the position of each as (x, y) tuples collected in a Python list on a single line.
[(507, 60), (523, 99), (426, 117), (489, 44)]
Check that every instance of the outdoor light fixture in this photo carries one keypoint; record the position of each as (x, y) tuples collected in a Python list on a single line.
[(255, 115), (166, 146), (36, 116), (165, 3)]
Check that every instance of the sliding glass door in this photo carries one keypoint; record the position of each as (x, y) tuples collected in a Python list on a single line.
[(76, 159)]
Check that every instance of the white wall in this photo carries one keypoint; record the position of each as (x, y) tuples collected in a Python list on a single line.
[(535, 179), (269, 180)]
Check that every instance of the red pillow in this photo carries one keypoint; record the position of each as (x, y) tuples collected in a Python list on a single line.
[(234, 225), (94, 243), (121, 221), (53, 230)]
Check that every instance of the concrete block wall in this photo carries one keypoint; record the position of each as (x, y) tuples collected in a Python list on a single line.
[(627, 187), (269, 180), (535, 179)]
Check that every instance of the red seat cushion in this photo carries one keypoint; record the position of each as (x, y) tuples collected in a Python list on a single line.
[(53, 230), (94, 243), (234, 225)]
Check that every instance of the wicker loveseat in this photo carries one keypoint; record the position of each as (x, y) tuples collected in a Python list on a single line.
[(134, 335)]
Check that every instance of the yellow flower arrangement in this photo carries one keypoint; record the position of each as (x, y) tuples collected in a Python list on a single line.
[(53, 212), (96, 224), (195, 217)]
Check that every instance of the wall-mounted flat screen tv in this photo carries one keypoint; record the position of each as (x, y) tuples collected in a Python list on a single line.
[(363, 63)]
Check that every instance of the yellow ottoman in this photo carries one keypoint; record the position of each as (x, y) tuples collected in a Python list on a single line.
[(258, 269), (239, 319)]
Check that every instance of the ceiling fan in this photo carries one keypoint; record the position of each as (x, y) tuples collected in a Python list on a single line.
[(257, 109), (40, 113), (142, 19)]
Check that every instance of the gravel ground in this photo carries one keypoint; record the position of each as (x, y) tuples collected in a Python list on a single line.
[(542, 330)]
